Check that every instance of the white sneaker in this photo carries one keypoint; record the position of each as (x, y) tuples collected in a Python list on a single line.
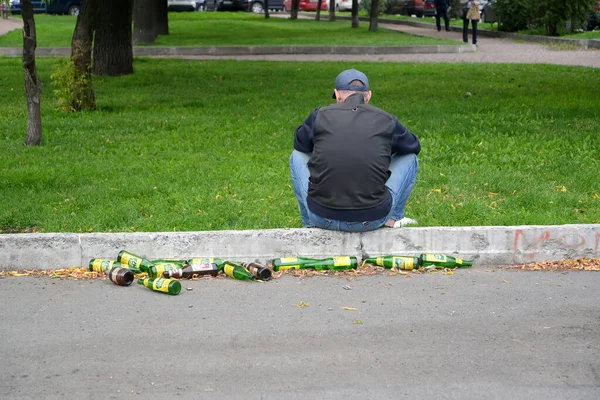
[(401, 223)]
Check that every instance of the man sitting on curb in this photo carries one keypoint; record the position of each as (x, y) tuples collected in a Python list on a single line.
[(353, 165)]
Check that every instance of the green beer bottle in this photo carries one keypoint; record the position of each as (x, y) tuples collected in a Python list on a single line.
[(136, 264), (400, 262), (237, 271), (333, 263), (158, 270), (441, 261), (120, 276), (193, 270), (281, 264), (182, 263), (203, 260), (170, 286), (101, 265), (259, 271)]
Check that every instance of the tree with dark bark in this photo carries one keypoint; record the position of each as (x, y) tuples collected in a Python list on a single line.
[(162, 17), (331, 10), (294, 10), (113, 51), (374, 15), (318, 13), (355, 13), (33, 89), (266, 8), (83, 96), (145, 17)]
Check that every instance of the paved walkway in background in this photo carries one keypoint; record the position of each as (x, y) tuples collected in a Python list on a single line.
[(490, 50)]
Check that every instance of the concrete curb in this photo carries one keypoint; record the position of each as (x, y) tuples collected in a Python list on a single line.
[(488, 246), (255, 50)]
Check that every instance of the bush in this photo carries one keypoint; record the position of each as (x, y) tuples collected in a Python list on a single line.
[(393, 7), (553, 16)]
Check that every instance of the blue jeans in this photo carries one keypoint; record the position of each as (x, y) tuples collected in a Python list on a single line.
[(400, 184)]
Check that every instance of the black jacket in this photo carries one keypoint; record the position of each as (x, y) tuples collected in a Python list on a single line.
[(351, 145), (442, 3)]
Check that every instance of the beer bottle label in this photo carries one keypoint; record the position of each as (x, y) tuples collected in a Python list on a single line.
[(161, 285), (205, 266), (228, 269), (459, 260), (130, 260), (341, 261), (435, 257), (288, 259), (102, 265), (403, 263)]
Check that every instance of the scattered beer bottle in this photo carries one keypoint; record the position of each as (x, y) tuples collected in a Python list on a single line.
[(101, 265), (441, 261), (120, 276), (170, 286), (182, 263), (400, 262), (333, 263), (281, 264), (136, 264), (237, 271), (193, 270), (259, 271), (158, 270), (218, 261)]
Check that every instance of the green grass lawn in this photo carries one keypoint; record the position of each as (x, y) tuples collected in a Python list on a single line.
[(204, 145), (235, 29)]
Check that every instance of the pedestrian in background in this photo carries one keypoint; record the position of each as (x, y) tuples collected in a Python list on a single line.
[(442, 7), (4, 10), (470, 13)]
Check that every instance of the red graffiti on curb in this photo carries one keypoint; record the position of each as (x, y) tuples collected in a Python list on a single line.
[(525, 251)]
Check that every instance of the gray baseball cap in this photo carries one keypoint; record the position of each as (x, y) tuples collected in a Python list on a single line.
[(342, 82)]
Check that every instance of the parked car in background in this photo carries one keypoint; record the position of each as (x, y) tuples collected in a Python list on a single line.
[(306, 5), (429, 8), (258, 6), (414, 7), (226, 5), (54, 7), (342, 5), (185, 5)]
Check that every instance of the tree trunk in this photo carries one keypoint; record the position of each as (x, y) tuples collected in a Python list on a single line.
[(113, 51), (318, 14), (33, 90), (83, 96), (374, 15), (144, 22), (355, 13), (295, 7), (162, 17), (331, 10), (266, 8)]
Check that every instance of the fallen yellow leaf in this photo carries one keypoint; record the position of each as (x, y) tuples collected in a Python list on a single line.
[(302, 304), (349, 308), (357, 322)]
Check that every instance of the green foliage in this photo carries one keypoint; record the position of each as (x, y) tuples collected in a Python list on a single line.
[(201, 145), (554, 16), (71, 87), (393, 6)]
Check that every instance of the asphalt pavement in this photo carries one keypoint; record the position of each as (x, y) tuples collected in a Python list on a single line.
[(476, 334)]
